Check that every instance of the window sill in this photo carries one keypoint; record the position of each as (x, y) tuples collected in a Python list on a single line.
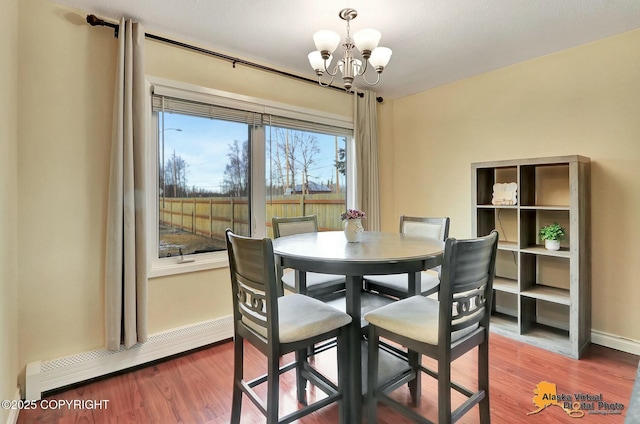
[(170, 266)]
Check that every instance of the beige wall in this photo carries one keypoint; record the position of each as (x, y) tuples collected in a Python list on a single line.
[(580, 101), (66, 90), (66, 86), (8, 202)]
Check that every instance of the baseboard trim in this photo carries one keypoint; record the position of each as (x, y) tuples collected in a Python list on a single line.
[(42, 376), (615, 342), (13, 413)]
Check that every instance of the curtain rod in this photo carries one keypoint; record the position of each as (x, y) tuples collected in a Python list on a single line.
[(93, 20)]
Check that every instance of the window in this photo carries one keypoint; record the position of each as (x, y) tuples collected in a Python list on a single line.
[(306, 175), (224, 160)]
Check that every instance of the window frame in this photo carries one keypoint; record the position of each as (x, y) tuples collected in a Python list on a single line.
[(158, 267)]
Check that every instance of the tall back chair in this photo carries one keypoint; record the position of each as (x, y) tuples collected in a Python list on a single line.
[(277, 326), (443, 329), (397, 285), (315, 284)]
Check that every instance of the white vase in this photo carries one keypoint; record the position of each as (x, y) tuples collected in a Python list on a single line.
[(353, 230), (552, 244)]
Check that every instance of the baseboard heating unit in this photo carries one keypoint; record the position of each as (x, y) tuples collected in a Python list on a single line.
[(43, 376)]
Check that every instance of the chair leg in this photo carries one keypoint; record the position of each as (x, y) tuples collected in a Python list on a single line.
[(238, 358), (301, 382), (373, 353), (444, 391), (415, 385), (273, 386), (483, 382), (343, 380)]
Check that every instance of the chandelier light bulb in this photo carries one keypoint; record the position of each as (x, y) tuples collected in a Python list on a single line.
[(326, 42), (380, 57), (366, 40), (317, 62)]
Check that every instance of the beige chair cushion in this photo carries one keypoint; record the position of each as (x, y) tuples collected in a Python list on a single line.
[(302, 317), (314, 280), (400, 282), (415, 317)]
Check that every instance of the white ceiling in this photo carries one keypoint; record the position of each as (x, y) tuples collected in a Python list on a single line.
[(434, 42)]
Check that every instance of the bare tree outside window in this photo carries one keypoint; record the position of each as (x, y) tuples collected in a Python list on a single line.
[(236, 172), (293, 160), (175, 174)]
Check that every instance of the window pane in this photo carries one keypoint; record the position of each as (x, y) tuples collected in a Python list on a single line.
[(306, 175), (203, 169)]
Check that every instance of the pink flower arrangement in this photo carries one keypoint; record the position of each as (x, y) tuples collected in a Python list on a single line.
[(353, 214)]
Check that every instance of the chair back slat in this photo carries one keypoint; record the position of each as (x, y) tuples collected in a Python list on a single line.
[(468, 309), (252, 306), (294, 225), (436, 228)]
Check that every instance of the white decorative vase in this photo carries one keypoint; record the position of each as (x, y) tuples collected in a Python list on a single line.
[(353, 230), (552, 244)]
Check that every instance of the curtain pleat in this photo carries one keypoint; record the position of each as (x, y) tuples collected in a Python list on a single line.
[(126, 256), (366, 146)]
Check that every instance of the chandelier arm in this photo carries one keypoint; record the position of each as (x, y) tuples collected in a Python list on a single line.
[(364, 77), (335, 70), (364, 69), (327, 84)]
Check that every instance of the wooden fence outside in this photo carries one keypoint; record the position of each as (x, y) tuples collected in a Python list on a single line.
[(210, 216)]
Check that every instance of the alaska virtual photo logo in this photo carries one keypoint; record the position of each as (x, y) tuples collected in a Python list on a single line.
[(575, 404)]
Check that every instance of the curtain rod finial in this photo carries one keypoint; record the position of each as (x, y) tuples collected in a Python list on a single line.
[(93, 20)]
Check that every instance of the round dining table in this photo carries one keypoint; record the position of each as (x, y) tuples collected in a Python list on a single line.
[(378, 253)]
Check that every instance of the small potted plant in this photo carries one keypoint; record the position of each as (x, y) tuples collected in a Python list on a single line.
[(551, 235)]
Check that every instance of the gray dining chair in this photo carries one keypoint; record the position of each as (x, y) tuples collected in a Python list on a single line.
[(397, 285), (276, 325), (443, 329), (316, 284)]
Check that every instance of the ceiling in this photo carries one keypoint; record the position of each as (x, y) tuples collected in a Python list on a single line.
[(434, 42)]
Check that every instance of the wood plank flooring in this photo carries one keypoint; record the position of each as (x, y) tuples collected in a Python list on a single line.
[(196, 388)]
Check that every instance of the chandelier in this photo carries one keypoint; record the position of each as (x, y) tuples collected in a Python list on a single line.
[(366, 41)]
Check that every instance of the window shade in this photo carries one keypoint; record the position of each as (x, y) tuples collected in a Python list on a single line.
[(297, 124), (208, 110), (204, 110)]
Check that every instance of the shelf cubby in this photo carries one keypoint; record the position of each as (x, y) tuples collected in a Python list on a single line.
[(539, 313), (531, 220), (506, 303), (545, 185)]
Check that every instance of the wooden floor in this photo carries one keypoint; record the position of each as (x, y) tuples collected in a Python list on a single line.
[(196, 388)]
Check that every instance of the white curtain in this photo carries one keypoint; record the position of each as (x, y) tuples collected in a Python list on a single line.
[(366, 155), (126, 257)]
